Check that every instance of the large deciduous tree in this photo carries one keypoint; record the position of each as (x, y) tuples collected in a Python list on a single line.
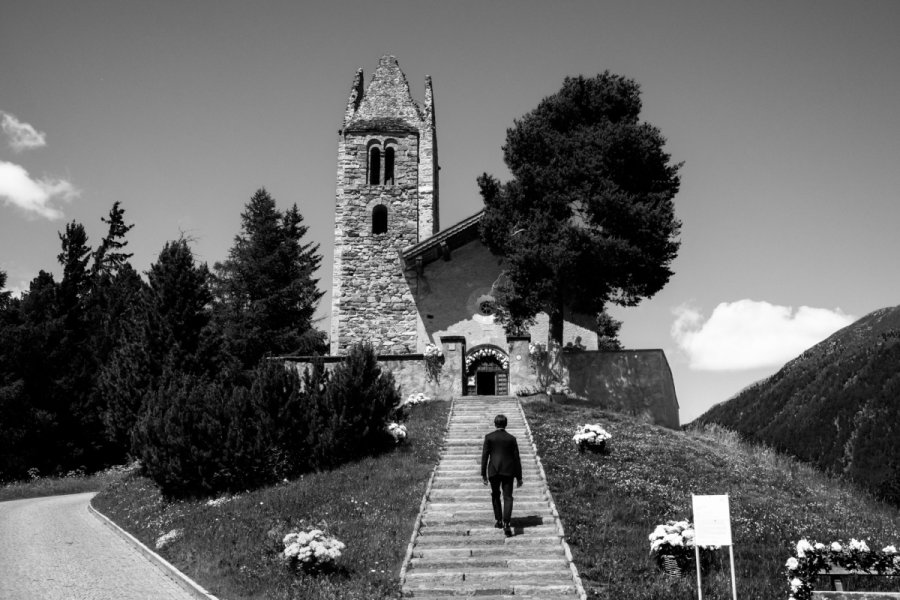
[(587, 218), (265, 291)]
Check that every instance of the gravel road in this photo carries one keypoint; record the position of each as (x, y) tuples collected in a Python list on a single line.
[(54, 549)]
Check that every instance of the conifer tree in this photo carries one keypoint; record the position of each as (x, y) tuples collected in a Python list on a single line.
[(167, 330), (265, 291), (587, 218)]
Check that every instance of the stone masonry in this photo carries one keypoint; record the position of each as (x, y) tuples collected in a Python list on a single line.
[(387, 162)]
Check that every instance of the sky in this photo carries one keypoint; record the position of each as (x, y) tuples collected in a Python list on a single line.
[(785, 115)]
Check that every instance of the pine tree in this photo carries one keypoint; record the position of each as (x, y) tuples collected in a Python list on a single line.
[(265, 292), (108, 258), (167, 330), (587, 218)]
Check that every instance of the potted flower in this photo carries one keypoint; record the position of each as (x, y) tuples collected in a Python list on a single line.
[(311, 551), (434, 361), (591, 437), (673, 546), (397, 431)]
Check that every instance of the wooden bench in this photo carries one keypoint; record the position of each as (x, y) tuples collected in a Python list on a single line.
[(836, 574)]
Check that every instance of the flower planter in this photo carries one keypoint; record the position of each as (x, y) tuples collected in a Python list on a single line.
[(670, 566), (596, 448)]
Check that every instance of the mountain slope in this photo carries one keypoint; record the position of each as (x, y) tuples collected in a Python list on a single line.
[(837, 405)]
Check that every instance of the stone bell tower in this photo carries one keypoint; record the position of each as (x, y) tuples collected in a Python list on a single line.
[(386, 200)]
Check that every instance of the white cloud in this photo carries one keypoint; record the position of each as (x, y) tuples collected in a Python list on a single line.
[(749, 334), (22, 136), (34, 195)]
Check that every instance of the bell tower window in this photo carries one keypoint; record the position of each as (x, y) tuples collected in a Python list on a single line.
[(374, 166), (379, 219), (389, 166)]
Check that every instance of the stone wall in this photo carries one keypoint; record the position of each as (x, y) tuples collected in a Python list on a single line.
[(636, 382), (448, 294)]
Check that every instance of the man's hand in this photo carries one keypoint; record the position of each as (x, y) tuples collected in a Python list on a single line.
[(484, 481), (519, 483)]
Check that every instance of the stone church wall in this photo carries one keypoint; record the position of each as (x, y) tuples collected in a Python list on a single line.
[(636, 382), (449, 293)]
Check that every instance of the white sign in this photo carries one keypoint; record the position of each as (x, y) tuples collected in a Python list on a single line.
[(712, 521)]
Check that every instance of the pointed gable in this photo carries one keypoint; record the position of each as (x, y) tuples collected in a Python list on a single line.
[(387, 103)]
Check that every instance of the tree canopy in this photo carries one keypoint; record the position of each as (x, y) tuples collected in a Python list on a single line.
[(265, 291), (587, 218)]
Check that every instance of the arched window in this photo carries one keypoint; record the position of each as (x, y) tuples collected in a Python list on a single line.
[(389, 166), (379, 219), (374, 166)]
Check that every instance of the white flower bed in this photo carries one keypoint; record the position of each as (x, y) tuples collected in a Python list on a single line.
[(812, 557), (166, 539), (416, 398), (397, 431), (591, 435), (311, 550)]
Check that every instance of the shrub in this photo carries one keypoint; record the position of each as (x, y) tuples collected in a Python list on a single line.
[(197, 437), (348, 416)]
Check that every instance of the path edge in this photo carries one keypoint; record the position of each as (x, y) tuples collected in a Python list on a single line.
[(183, 581), (579, 587), (418, 523)]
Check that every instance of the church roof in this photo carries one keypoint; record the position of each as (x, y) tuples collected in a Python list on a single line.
[(441, 244), (387, 103)]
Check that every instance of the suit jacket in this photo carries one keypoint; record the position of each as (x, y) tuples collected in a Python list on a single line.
[(500, 455)]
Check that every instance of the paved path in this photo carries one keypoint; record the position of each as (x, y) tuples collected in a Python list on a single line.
[(457, 551), (54, 549)]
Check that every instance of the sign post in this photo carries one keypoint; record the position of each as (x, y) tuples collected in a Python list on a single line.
[(712, 527)]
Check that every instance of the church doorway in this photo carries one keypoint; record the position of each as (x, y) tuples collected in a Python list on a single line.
[(487, 371)]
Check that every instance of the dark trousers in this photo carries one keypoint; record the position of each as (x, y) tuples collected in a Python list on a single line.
[(504, 483)]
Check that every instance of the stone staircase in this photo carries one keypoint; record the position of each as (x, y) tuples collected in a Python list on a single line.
[(456, 551)]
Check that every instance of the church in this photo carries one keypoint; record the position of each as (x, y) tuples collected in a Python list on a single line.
[(400, 281)]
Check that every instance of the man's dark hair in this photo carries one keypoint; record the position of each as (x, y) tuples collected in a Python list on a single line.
[(500, 421)]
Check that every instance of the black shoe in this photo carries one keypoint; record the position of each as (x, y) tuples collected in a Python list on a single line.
[(498, 525), (507, 530)]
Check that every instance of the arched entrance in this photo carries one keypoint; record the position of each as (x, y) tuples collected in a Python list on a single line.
[(487, 371)]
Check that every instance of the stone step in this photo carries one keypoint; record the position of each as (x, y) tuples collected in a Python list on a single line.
[(490, 552), (471, 542), (486, 562), (520, 505), (482, 494), (490, 576), (488, 529), (491, 589), (477, 519), (521, 596)]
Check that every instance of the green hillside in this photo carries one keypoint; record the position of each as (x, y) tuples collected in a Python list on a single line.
[(836, 406), (611, 502)]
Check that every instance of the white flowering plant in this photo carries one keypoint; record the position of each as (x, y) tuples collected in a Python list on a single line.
[(416, 398), (397, 431), (812, 556), (675, 539), (591, 436), (434, 361), (311, 550)]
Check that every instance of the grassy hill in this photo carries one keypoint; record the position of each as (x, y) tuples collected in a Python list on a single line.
[(611, 502), (836, 406), (232, 548)]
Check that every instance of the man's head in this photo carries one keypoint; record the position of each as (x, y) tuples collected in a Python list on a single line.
[(500, 421)]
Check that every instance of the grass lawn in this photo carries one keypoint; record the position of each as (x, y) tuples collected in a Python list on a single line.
[(75, 483), (233, 548), (611, 502)]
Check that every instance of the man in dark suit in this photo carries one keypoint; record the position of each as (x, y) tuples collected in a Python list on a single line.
[(500, 464)]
